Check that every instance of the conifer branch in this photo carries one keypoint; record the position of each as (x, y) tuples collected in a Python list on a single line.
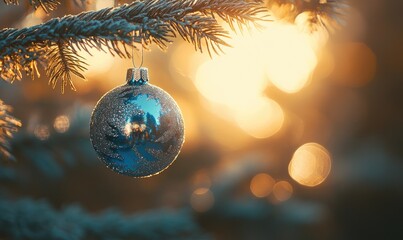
[(62, 63), (146, 22), (46, 5), (316, 14), (8, 126)]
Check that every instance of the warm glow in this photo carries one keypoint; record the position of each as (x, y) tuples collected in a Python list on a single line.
[(261, 185), (235, 82), (61, 124), (356, 64), (310, 164), (201, 179), (99, 62), (32, 19), (289, 57), (202, 199), (191, 122), (184, 63), (223, 132), (235, 78), (319, 33), (282, 191), (262, 119), (100, 4), (230, 80)]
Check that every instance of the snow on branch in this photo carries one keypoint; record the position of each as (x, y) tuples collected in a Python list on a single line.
[(56, 43)]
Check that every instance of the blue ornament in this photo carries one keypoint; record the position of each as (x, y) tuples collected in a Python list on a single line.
[(137, 129)]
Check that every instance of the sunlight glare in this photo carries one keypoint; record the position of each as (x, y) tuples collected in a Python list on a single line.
[(236, 81), (101, 4), (289, 57), (229, 81), (99, 62), (262, 120)]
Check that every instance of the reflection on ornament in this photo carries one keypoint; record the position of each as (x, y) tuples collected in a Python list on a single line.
[(137, 128)]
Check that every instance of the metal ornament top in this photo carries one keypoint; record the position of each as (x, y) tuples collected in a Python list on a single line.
[(137, 76)]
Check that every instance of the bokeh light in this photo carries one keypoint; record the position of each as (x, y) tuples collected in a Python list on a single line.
[(42, 132), (282, 191), (33, 18), (202, 199), (99, 62), (262, 120), (223, 133), (183, 69), (61, 124), (356, 64), (235, 83), (310, 164), (261, 185), (100, 4), (230, 80), (289, 57), (290, 134), (201, 179)]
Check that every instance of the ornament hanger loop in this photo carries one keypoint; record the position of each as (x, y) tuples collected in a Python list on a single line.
[(142, 52)]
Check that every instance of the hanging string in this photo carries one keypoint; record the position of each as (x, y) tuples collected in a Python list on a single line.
[(142, 53)]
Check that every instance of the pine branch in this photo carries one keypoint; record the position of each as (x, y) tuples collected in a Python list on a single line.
[(46, 5), (327, 14), (332, 14), (62, 63), (8, 125), (29, 219), (146, 22)]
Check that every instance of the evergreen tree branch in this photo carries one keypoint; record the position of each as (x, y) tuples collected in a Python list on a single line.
[(46, 5), (28, 219), (315, 14), (146, 22), (62, 63), (8, 126)]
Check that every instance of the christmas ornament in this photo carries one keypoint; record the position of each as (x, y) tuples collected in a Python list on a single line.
[(137, 128)]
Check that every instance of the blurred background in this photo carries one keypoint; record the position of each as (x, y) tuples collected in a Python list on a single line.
[(290, 134)]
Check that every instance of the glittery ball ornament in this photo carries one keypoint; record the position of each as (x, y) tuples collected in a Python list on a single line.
[(137, 128)]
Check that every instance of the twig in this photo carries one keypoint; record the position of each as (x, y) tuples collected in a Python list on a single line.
[(152, 21)]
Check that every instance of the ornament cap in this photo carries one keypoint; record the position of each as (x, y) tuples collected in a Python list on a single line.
[(137, 76)]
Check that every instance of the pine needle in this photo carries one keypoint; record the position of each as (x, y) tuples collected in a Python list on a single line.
[(8, 126), (56, 43), (46, 5)]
